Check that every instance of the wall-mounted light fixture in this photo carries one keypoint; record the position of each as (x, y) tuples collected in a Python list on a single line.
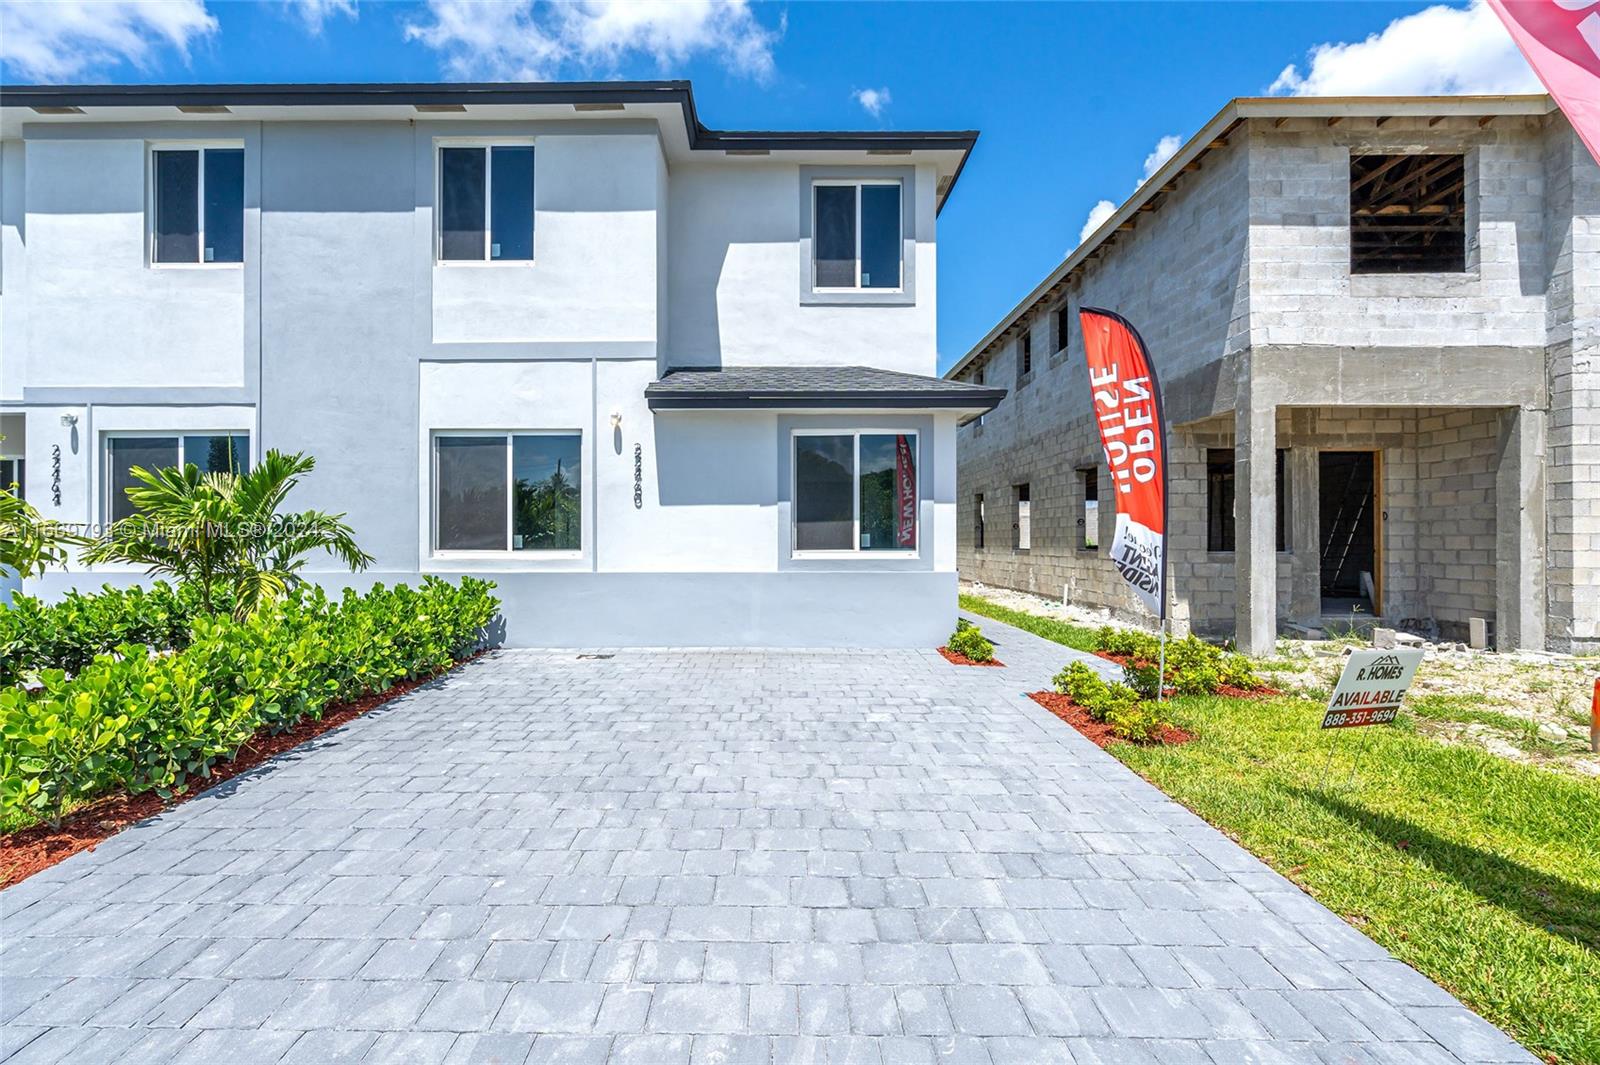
[(68, 421), (616, 419)]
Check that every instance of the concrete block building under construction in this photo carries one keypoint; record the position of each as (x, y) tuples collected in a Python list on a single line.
[(1377, 327)]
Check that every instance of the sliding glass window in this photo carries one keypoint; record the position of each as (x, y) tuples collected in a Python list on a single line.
[(855, 491), (485, 205), (508, 492)]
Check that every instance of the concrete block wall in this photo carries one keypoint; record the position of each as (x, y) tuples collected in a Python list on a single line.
[(1251, 254), (1301, 287), (1179, 277), (1573, 363)]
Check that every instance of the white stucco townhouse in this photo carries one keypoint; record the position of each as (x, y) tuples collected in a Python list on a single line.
[(665, 385)]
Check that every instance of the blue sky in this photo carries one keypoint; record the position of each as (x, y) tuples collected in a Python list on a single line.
[(1071, 98)]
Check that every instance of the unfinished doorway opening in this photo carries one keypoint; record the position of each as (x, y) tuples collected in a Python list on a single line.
[(1348, 506)]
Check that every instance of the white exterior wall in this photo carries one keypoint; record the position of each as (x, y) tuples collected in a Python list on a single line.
[(341, 336), (98, 312), (735, 270)]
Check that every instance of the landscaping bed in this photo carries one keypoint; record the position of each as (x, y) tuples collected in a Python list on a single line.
[(1100, 733), (27, 851), (958, 659)]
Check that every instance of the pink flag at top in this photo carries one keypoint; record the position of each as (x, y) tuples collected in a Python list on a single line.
[(1561, 40)]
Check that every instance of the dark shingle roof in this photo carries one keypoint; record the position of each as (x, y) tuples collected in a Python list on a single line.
[(745, 387)]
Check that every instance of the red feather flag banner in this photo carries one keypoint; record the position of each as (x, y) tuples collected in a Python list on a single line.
[(1561, 41), (1126, 401)]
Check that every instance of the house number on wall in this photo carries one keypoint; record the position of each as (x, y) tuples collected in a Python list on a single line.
[(55, 474), (638, 477)]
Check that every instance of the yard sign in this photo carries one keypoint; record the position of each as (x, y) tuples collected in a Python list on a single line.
[(1371, 687), (1127, 410)]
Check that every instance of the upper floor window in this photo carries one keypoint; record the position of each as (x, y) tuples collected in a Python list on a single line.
[(1408, 214), (1061, 319), (1025, 352), (857, 236), (197, 205), (486, 203), (211, 452)]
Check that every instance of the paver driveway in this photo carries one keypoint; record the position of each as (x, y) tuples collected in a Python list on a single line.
[(724, 856)]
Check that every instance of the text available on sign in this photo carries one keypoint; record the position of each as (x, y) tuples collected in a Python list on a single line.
[(1371, 688)]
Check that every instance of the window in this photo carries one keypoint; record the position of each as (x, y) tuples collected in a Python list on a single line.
[(1025, 353), (1408, 214), (856, 235), (1063, 327), (1220, 496), (855, 491), (13, 477), (1023, 529), (1090, 521), (486, 203), (210, 452), (977, 526), (508, 492), (197, 198)]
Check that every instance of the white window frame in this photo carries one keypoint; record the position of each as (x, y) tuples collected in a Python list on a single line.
[(900, 225), (202, 146), (152, 434), (855, 550), (435, 551), (486, 143)]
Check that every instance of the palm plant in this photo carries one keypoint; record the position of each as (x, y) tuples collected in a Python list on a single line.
[(28, 543), (223, 531)]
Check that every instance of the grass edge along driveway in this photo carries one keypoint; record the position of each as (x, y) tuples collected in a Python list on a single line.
[(1479, 872)]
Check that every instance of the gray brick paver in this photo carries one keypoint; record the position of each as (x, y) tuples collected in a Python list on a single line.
[(707, 856)]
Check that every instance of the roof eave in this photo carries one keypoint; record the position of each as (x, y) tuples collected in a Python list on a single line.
[(700, 137)]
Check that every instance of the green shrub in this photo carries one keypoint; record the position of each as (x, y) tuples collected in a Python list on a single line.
[(1193, 666), (1119, 706), (1139, 722), (1131, 642), (1143, 677), (146, 721), (67, 635), (1238, 671), (971, 643)]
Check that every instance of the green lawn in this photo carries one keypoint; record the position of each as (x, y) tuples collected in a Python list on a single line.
[(1065, 632), (1480, 872)]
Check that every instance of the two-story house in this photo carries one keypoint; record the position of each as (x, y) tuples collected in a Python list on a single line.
[(1377, 326), (665, 385)]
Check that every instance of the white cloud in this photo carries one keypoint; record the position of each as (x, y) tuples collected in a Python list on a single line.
[(1097, 217), (873, 100), (520, 40), (1447, 50), (1165, 149), (70, 40), (315, 13)]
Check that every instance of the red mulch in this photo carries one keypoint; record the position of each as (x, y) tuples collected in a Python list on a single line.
[(963, 660), (1229, 690), (31, 850), (1098, 732)]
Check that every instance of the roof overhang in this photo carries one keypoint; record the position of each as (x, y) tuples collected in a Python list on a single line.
[(830, 389), (1332, 110), (670, 103)]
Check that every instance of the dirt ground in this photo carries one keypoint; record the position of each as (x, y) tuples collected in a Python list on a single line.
[(1526, 707)]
